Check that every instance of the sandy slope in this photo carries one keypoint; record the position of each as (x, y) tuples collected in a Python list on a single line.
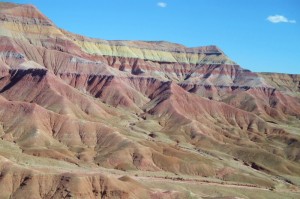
[(89, 118)]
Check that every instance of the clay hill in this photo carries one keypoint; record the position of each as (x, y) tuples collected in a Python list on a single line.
[(90, 118)]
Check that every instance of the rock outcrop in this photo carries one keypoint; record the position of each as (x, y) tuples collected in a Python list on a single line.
[(89, 118)]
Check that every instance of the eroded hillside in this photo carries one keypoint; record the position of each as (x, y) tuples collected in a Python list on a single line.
[(89, 118)]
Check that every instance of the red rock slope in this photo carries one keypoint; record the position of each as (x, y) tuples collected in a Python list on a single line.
[(78, 113)]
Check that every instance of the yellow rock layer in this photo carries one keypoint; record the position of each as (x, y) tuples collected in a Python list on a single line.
[(96, 47), (148, 54)]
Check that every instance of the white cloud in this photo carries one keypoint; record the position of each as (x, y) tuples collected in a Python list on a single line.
[(279, 19), (162, 4)]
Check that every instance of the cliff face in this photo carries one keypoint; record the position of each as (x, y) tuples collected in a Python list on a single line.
[(78, 113)]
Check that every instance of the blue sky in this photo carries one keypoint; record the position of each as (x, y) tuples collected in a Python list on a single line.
[(260, 35)]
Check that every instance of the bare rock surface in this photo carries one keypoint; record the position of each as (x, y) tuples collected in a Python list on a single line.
[(90, 118)]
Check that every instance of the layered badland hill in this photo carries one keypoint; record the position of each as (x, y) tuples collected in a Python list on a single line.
[(90, 118)]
